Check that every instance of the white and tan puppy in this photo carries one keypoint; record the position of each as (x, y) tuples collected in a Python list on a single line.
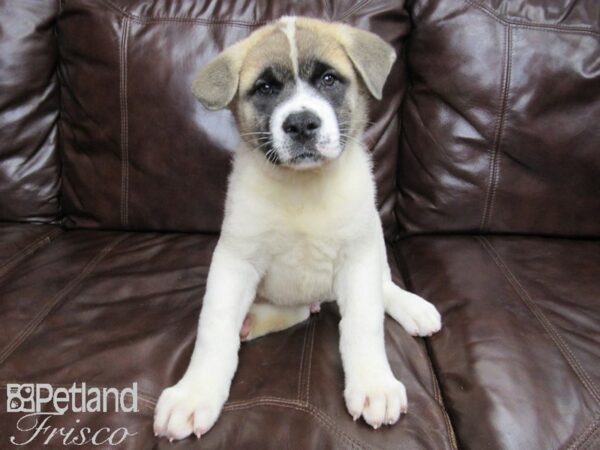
[(301, 225)]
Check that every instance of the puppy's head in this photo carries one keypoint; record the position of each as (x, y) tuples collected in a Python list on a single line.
[(298, 88)]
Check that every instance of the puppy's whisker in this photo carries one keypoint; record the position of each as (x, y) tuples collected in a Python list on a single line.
[(351, 138), (263, 145), (271, 156), (264, 141)]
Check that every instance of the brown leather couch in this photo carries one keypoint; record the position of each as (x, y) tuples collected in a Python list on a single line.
[(487, 159)]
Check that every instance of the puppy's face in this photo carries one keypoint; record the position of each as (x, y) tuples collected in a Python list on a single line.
[(298, 100), (299, 94)]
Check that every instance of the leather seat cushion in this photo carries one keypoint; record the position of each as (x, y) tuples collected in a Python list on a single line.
[(519, 356), (113, 308)]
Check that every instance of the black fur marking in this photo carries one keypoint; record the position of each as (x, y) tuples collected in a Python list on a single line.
[(313, 71), (282, 85), (282, 82)]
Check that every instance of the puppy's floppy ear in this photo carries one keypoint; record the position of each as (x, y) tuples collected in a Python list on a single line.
[(372, 56), (216, 84)]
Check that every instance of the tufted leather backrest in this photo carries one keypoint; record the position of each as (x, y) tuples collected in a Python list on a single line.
[(499, 126), (29, 109), (139, 151), (501, 122)]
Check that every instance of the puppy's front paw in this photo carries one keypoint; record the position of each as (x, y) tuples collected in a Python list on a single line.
[(378, 399), (187, 408), (416, 315)]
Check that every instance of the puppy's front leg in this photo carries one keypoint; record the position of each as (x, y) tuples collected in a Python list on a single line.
[(371, 389), (194, 403)]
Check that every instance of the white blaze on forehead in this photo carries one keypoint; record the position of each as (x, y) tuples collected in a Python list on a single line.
[(304, 98), (289, 28)]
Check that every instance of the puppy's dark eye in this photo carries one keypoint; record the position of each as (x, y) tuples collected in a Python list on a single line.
[(328, 79), (265, 89)]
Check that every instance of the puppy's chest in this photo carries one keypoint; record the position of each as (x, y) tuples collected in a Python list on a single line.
[(301, 268)]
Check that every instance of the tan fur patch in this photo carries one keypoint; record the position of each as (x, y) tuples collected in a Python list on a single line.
[(318, 40), (271, 48)]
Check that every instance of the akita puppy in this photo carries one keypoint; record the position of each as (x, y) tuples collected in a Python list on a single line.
[(301, 225)]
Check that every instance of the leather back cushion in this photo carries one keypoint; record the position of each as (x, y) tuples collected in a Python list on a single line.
[(139, 151), (29, 104), (501, 123)]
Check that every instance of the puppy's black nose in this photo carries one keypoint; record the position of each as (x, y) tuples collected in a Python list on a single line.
[(301, 126)]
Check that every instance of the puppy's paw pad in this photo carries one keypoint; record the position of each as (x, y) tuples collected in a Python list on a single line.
[(379, 402), (183, 410)]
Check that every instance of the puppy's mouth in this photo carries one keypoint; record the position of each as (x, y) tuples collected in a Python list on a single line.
[(306, 156)]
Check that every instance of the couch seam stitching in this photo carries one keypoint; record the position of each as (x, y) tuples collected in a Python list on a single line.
[(593, 442), (20, 253), (39, 317), (302, 407), (555, 336), (252, 401), (594, 437), (497, 154), (232, 22), (525, 27), (197, 20), (194, 21), (437, 392), (291, 406), (533, 25), (585, 435), (437, 395), (28, 250), (124, 122), (494, 165)]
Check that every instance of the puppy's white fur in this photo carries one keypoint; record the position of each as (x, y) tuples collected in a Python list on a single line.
[(295, 240), (297, 237)]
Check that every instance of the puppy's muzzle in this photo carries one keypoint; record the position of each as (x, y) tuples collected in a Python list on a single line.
[(302, 126)]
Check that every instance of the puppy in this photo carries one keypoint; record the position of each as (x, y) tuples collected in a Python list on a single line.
[(301, 225)]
